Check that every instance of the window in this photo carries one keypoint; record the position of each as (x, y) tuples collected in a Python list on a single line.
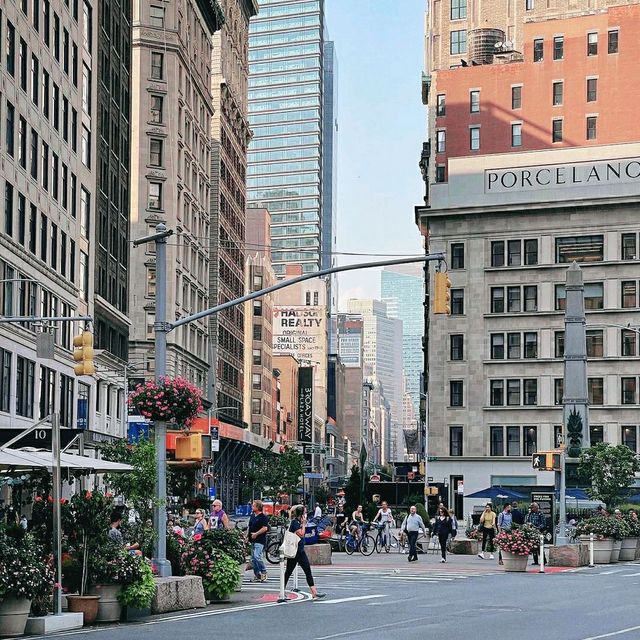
[(630, 437), (514, 299), (558, 437), (530, 252), (46, 21), (456, 343), (441, 141), (86, 147), (35, 79), (629, 342), (84, 275), (592, 123), (86, 88), (497, 346), (455, 441), (513, 393), (155, 152), (44, 236), (596, 434), (497, 253), (596, 390), (87, 26), (8, 209), (629, 246), (55, 163), (538, 50), (22, 220), (474, 138), (23, 65), (440, 173), (66, 401), (54, 247), (530, 440), (457, 302), (593, 296), (458, 42), (592, 89), (157, 63), (513, 441), (514, 253), (156, 16), (257, 356), (25, 379), (629, 294), (496, 393), (556, 135), (580, 249), (497, 299), (516, 134), (612, 41), (530, 387), (457, 255), (528, 5), (45, 166), (33, 222), (156, 109), (65, 51), (628, 390), (256, 381), (22, 142), (256, 406), (531, 298), (558, 93), (455, 393), (530, 345), (474, 101), (558, 390), (257, 332), (516, 98), (496, 438), (47, 391), (513, 346), (458, 12), (595, 343), (257, 307), (85, 212), (592, 44), (5, 380), (558, 48), (441, 106)]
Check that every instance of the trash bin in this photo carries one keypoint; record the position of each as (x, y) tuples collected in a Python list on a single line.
[(311, 534)]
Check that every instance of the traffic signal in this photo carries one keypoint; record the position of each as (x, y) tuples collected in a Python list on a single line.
[(442, 295), (83, 354), (546, 461)]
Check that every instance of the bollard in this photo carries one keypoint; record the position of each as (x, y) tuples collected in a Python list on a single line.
[(282, 596), (296, 588), (541, 554), (591, 551)]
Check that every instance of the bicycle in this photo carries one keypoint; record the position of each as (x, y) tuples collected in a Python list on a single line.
[(274, 542), (365, 543), (383, 537)]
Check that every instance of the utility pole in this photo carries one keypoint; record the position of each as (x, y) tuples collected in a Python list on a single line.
[(162, 328)]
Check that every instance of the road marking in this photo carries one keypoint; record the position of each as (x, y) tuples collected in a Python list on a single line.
[(608, 573), (613, 633), (352, 599), (378, 627), (631, 575)]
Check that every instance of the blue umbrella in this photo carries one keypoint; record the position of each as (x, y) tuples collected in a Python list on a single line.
[(494, 493)]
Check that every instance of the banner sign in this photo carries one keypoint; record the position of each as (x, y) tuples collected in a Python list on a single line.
[(305, 408)]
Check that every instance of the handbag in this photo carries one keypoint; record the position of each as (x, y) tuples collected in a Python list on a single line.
[(290, 544)]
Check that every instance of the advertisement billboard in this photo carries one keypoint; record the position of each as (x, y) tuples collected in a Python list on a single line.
[(300, 331), (305, 408)]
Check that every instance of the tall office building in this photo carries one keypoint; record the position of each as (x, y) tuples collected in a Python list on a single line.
[(536, 166), (64, 151), (292, 89), (403, 291), (171, 115), (230, 134)]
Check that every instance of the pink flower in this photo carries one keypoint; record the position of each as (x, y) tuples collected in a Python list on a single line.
[(197, 537)]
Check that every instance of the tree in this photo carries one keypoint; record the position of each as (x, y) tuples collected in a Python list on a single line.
[(611, 471), (272, 473), (352, 489)]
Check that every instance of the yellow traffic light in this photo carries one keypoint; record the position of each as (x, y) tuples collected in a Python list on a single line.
[(83, 354), (442, 295)]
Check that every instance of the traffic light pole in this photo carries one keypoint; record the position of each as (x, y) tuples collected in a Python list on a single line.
[(561, 538)]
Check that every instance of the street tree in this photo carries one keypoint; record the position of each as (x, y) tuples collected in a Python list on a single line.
[(610, 470), (272, 473)]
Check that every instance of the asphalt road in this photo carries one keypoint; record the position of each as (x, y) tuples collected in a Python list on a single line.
[(418, 602)]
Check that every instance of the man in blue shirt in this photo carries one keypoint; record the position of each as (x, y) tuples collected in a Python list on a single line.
[(258, 527)]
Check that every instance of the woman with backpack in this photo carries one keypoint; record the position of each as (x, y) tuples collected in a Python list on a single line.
[(443, 528)]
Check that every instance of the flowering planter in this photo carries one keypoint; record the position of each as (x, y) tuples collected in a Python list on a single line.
[(615, 551), (87, 605), (628, 550), (13, 616), (109, 609), (601, 549), (514, 562)]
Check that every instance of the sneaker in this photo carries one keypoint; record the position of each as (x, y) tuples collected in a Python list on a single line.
[(256, 579), (319, 596), (481, 555), (443, 560), (491, 556), (263, 577), (500, 562)]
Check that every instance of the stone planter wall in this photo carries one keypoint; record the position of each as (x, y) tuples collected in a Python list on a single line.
[(569, 555), (628, 550), (319, 554), (615, 550), (178, 593), (464, 547)]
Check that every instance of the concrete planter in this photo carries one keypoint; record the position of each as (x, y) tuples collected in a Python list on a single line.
[(628, 549), (463, 547), (615, 551), (13, 616), (601, 549), (109, 609), (514, 562), (638, 550)]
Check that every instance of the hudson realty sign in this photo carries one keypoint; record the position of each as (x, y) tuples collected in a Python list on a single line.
[(559, 176), (300, 331)]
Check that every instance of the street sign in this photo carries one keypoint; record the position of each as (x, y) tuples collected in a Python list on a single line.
[(38, 438), (546, 461), (215, 439), (546, 502), (315, 449), (460, 487), (212, 493)]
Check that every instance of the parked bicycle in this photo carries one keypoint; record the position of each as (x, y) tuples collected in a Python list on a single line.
[(274, 542)]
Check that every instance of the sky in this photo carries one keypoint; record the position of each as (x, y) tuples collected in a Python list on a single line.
[(381, 127)]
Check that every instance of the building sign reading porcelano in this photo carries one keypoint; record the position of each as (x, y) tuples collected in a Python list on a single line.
[(562, 176)]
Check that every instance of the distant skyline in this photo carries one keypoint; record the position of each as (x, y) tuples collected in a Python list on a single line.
[(381, 127)]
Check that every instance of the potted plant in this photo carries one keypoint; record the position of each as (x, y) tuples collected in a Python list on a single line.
[(603, 529), (136, 597), (620, 531), (516, 546), (630, 541), (87, 527), (25, 575), (232, 542)]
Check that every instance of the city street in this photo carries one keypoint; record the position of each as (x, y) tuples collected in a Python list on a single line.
[(383, 595)]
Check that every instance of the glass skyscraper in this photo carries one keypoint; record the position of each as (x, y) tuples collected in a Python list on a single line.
[(290, 91)]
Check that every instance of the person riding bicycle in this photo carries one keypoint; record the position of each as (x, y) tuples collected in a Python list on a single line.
[(357, 522), (385, 517)]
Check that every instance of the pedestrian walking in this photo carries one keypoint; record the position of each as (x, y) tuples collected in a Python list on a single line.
[(200, 525), (443, 528), (297, 526), (411, 527), (488, 529), (505, 522), (517, 515), (258, 527), (218, 519), (536, 519)]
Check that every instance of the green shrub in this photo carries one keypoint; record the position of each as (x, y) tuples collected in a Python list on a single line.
[(222, 581), (139, 594)]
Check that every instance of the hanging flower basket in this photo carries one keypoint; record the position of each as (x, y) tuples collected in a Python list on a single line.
[(171, 400)]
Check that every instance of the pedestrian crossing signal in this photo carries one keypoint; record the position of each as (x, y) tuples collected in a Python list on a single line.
[(83, 354), (546, 461)]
